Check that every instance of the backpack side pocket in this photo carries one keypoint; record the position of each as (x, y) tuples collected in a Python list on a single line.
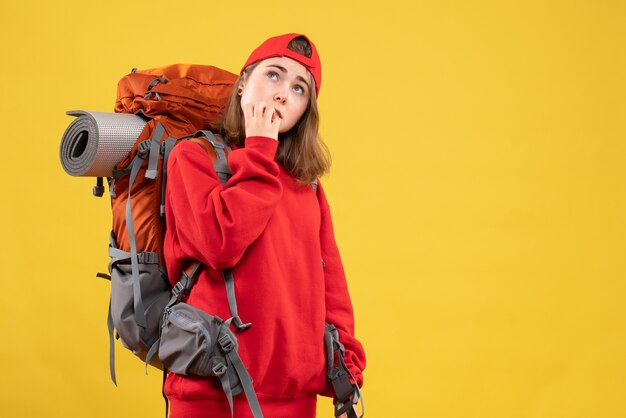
[(155, 293), (189, 341)]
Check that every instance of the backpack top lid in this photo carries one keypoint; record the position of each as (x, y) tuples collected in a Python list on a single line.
[(194, 94)]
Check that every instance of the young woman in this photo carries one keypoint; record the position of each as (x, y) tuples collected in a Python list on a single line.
[(270, 226)]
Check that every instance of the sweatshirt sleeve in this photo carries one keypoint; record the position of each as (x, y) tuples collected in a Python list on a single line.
[(339, 310), (213, 223)]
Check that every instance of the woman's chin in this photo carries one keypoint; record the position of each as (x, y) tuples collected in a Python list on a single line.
[(283, 128)]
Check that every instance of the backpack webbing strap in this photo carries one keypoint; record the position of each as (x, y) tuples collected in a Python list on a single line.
[(246, 382), (346, 393), (229, 281), (112, 244), (152, 351), (150, 93), (140, 318), (120, 172), (155, 149), (225, 382), (110, 325), (228, 345), (348, 404), (221, 165), (187, 279), (142, 151), (168, 145), (314, 185), (146, 257), (111, 346)]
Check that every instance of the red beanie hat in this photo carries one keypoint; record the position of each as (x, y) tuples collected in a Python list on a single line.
[(277, 47)]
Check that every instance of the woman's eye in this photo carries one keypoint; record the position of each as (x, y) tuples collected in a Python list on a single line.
[(272, 75), (299, 89)]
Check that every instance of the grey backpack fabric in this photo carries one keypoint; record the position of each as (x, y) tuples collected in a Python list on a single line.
[(189, 341), (155, 293), (196, 343), (347, 394)]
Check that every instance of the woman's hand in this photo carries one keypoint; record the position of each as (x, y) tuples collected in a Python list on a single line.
[(261, 120)]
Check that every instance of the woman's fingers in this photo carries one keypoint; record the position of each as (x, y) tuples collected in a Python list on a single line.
[(261, 119), (275, 118)]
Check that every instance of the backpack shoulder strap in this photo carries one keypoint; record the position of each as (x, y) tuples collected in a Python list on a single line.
[(215, 146), (217, 149)]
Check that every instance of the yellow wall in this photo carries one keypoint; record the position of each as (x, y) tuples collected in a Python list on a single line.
[(477, 190)]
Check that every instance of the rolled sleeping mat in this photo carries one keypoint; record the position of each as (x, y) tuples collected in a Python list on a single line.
[(96, 141)]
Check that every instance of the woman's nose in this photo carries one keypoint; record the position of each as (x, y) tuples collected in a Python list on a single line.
[(280, 97)]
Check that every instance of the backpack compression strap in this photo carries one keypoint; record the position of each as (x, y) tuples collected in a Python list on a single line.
[(346, 393), (142, 153), (234, 361)]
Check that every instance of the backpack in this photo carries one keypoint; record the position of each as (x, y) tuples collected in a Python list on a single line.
[(178, 102)]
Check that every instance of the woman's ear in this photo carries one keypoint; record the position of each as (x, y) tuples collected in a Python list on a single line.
[(242, 81)]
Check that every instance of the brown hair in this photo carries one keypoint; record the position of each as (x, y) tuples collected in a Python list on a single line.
[(301, 150)]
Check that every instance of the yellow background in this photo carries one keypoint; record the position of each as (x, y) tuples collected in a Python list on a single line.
[(477, 191)]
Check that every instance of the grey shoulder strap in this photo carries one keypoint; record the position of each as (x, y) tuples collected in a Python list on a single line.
[(155, 150), (229, 281), (314, 185), (168, 145), (221, 165)]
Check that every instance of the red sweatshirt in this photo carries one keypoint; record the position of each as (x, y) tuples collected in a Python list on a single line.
[(277, 237)]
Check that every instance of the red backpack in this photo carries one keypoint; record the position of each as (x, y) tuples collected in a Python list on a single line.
[(183, 99), (177, 101)]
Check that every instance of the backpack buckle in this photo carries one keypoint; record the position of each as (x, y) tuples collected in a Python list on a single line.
[(342, 387), (98, 189), (239, 325), (209, 136), (178, 288), (144, 148), (226, 342), (219, 369)]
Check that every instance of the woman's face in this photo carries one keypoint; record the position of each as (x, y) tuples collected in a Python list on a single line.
[(281, 83)]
